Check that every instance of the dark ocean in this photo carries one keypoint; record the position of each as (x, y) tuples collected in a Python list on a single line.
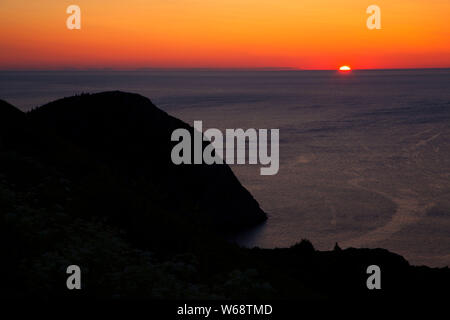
[(364, 156)]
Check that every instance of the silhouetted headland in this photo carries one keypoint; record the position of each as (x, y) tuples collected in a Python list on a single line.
[(88, 180)]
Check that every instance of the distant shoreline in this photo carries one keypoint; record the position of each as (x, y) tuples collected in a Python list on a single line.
[(272, 69)]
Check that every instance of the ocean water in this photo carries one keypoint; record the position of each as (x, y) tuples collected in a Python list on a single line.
[(364, 156)]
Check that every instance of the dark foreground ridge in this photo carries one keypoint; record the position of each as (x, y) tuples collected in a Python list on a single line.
[(88, 180)]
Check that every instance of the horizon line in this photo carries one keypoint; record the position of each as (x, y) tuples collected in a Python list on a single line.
[(209, 69)]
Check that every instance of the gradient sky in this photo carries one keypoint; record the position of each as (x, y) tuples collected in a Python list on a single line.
[(307, 34)]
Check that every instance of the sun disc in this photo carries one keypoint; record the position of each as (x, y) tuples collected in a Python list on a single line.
[(345, 68)]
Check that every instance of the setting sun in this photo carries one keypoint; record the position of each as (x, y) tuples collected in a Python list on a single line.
[(345, 68)]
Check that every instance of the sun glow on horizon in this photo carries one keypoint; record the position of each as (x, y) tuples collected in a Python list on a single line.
[(345, 68), (310, 35)]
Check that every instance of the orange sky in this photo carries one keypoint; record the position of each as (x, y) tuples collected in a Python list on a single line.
[(308, 34)]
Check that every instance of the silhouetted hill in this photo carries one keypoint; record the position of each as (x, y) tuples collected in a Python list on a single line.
[(128, 132), (88, 180), (11, 122), (9, 113)]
